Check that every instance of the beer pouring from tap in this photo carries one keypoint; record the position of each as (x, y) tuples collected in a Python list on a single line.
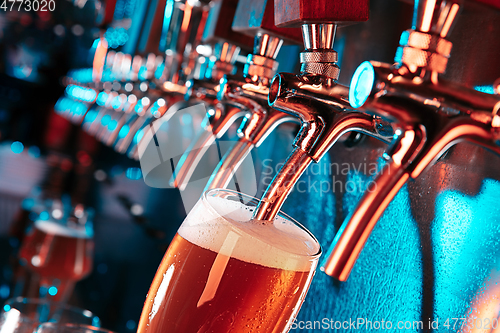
[(430, 115)]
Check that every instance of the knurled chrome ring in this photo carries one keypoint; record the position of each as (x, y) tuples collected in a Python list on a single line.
[(318, 56), (260, 71), (427, 42), (420, 58), (259, 60), (321, 68)]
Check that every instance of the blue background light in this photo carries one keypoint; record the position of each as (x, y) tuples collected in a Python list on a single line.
[(361, 84)]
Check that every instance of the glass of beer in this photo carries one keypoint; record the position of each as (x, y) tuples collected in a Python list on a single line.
[(224, 272), (24, 315), (59, 252)]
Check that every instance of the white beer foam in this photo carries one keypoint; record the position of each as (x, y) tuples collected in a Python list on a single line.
[(54, 228), (281, 244)]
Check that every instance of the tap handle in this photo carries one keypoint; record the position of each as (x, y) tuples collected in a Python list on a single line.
[(255, 17), (294, 13), (319, 20)]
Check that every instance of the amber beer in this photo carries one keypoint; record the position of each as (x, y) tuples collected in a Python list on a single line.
[(56, 251), (230, 274)]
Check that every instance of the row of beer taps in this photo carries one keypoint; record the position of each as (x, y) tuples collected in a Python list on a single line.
[(404, 104)]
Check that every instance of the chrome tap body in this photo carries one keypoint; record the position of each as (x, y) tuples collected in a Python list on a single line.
[(322, 106), (238, 97), (429, 114)]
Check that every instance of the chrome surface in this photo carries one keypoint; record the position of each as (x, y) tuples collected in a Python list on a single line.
[(239, 96), (430, 116), (321, 105)]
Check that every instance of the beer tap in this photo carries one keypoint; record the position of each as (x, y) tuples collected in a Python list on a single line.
[(315, 97), (242, 96), (430, 115), (202, 87), (181, 32)]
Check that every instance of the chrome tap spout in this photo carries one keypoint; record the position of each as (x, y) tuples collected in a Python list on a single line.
[(322, 106)]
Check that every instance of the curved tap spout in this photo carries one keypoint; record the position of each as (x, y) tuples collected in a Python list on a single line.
[(430, 115), (249, 94), (321, 105), (256, 126), (412, 151), (223, 117)]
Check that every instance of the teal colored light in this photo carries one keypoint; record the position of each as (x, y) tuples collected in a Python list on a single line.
[(130, 325), (52, 291), (4, 291), (466, 235), (69, 90), (116, 102), (112, 125), (17, 147), (44, 216), (34, 151), (142, 75), (105, 120), (133, 173), (79, 109), (221, 92), (138, 136), (154, 108), (159, 70), (123, 131), (485, 89), (102, 98), (361, 84), (6, 307), (28, 203), (90, 117)]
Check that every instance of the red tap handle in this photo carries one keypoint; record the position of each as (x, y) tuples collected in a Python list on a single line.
[(294, 13)]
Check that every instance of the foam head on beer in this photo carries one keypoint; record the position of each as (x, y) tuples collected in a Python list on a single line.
[(281, 244), (58, 229)]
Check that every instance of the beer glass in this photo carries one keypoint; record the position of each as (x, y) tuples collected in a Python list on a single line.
[(226, 272), (24, 315), (59, 251)]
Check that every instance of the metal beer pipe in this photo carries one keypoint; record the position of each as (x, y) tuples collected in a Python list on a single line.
[(430, 115), (322, 106)]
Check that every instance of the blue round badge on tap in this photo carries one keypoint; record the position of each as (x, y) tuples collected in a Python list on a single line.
[(361, 84)]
